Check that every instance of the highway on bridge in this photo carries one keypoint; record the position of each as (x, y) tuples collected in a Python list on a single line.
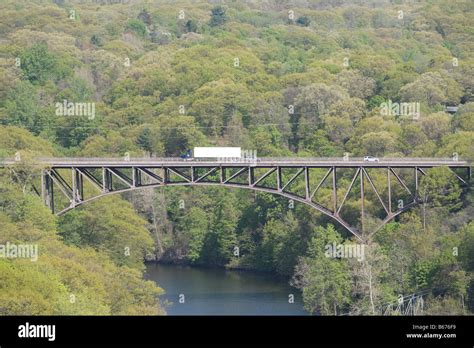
[(63, 162)]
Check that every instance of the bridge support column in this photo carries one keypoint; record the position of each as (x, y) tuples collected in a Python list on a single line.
[(134, 177), (166, 176), (279, 179), (334, 190), (77, 187), (107, 177), (389, 187), (306, 180), (362, 198), (222, 174), (104, 180), (47, 192), (416, 183)]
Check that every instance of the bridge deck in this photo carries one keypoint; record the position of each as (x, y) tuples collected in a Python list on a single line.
[(261, 162)]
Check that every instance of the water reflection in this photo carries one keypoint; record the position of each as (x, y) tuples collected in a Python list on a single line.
[(223, 292)]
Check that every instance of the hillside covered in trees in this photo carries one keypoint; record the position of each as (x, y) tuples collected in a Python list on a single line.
[(284, 78)]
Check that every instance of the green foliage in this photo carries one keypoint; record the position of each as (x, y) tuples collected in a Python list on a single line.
[(145, 17), (422, 272), (112, 145), (110, 225), (196, 226), (281, 245), (467, 247), (221, 240), (325, 281), (191, 26), (441, 188), (136, 26), (229, 76), (65, 280), (218, 16), (13, 139), (144, 140), (21, 108), (96, 40), (38, 64), (303, 21)]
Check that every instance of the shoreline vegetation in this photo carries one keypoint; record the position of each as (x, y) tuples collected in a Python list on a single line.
[(223, 268)]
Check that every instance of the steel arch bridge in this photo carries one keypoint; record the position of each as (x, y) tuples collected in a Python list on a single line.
[(70, 176)]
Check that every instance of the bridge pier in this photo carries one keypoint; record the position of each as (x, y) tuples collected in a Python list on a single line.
[(47, 190)]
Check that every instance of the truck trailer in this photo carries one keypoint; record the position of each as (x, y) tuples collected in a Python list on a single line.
[(217, 152)]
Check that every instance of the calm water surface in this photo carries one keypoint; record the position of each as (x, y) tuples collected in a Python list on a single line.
[(223, 292)]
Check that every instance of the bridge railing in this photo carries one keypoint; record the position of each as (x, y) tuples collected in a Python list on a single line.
[(145, 160), (361, 159)]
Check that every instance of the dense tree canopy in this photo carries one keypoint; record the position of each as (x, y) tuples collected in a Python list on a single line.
[(283, 78)]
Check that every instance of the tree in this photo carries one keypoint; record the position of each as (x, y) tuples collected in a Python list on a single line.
[(112, 226), (356, 84), (441, 188), (144, 16), (281, 245), (466, 254), (145, 141), (178, 134), (316, 99), (325, 281), (311, 104), (220, 242), (14, 139), (191, 26), (339, 129), (218, 16), (112, 144), (435, 126), (64, 280), (413, 137), (378, 143), (368, 288), (22, 109), (217, 102), (464, 117), (431, 88), (196, 226), (38, 64), (303, 21), (461, 143), (96, 40), (137, 26)]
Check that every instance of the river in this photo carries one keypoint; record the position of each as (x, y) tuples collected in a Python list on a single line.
[(209, 291)]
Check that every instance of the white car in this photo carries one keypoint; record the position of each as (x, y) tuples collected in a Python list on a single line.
[(370, 159)]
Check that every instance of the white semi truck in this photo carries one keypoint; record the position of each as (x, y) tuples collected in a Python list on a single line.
[(217, 152), (213, 152)]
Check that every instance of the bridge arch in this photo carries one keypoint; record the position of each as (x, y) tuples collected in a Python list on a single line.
[(118, 176), (290, 196)]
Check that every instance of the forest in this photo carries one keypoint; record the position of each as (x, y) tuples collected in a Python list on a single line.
[(285, 78)]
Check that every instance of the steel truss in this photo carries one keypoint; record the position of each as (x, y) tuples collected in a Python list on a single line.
[(69, 180), (406, 306)]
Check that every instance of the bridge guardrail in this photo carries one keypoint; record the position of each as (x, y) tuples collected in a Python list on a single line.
[(233, 160), (302, 159)]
